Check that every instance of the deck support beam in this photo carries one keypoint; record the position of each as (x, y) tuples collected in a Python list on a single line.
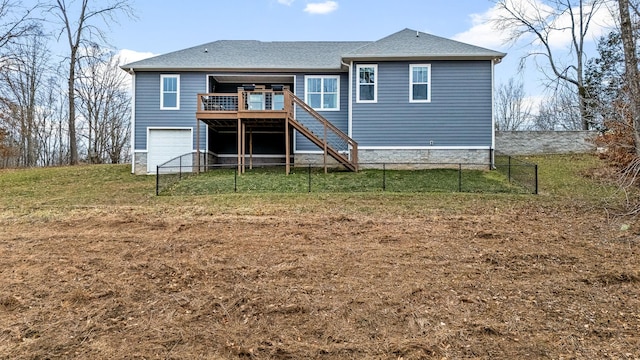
[(244, 147), (198, 145), (239, 146), (250, 149), (287, 147), (325, 149)]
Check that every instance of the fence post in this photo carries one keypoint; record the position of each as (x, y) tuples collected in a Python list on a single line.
[(536, 170), (460, 177), (509, 169), (180, 168), (235, 179), (309, 176), (157, 180), (384, 177)]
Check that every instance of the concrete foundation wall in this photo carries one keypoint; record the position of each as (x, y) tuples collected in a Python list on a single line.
[(140, 163), (314, 160), (545, 142), (405, 159)]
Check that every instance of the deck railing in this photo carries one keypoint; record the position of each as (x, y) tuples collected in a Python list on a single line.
[(256, 100), (218, 102)]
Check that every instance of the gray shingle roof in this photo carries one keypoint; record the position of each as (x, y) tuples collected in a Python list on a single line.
[(252, 55), (413, 44), (308, 55)]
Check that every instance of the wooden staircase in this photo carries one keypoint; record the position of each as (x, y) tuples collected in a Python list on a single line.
[(333, 141)]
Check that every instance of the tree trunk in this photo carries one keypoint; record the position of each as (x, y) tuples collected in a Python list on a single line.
[(631, 69), (73, 145)]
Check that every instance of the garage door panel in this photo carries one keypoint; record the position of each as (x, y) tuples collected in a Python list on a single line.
[(167, 144)]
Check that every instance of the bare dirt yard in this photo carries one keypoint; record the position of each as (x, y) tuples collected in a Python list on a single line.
[(332, 276)]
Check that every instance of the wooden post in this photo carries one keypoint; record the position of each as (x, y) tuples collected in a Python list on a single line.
[(239, 145), (244, 147), (197, 145), (287, 149), (250, 149), (325, 148)]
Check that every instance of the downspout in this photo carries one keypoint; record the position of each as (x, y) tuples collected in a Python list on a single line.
[(133, 120), (350, 111), (493, 118)]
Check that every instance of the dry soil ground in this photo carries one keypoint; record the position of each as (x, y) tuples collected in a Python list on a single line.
[(362, 277)]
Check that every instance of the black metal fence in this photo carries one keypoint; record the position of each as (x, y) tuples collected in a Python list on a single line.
[(507, 175), (176, 170), (517, 171)]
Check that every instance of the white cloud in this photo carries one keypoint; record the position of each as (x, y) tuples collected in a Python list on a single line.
[(321, 8), (286, 2), (484, 33), (128, 56)]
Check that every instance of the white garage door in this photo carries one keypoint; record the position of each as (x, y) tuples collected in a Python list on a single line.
[(166, 144)]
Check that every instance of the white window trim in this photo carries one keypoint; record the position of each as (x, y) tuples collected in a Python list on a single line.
[(411, 83), (306, 93), (375, 83), (162, 77)]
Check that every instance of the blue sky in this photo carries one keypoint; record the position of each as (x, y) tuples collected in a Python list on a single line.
[(165, 26)]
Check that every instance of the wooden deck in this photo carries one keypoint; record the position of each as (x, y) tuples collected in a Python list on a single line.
[(273, 108), (256, 104)]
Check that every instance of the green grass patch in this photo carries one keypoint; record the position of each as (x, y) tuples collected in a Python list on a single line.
[(269, 190), (302, 180), (74, 185), (572, 176)]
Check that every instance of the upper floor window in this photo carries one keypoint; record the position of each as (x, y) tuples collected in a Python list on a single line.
[(367, 89), (169, 92), (323, 92), (420, 86)]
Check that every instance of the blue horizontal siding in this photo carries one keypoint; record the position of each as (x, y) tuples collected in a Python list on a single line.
[(147, 107), (338, 118), (459, 114)]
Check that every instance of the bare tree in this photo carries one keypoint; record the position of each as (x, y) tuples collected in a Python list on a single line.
[(631, 68), (53, 117), (511, 111), (9, 149), (80, 25), (105, 103), (544, 20), (559, 112), (15, 23), (21, 84)]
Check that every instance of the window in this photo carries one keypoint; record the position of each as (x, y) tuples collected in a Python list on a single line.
[(323, 92), (169, 92), (367, 89), (278, 102), (255, 102), (420, 86)]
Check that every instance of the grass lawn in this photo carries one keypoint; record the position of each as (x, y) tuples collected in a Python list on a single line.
[(301, 180), (95, 266)]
